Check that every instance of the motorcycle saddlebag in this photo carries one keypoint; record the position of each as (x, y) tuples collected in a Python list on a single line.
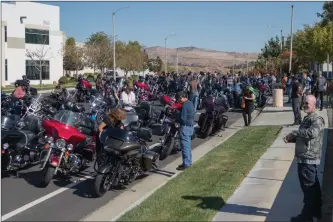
[(150, 158)]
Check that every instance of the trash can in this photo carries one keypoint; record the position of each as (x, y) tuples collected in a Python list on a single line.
[(277, 98)]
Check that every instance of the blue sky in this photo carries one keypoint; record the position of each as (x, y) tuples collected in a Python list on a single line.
[(224, 26)]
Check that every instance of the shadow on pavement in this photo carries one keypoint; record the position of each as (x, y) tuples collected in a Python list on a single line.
[(289, 200), (213, 203)]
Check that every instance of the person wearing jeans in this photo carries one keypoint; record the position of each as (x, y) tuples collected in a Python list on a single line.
[(321, 86), (296, 99), (309, 141), (186, 129)]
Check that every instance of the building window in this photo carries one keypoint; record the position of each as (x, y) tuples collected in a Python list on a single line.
[(36, 36), (6, 70), (5, 33), (32, 69)]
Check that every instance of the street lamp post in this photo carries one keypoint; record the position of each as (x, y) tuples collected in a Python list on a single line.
[(177, 60), (165, 52), (114, 40), (291, 37), (281, 52)]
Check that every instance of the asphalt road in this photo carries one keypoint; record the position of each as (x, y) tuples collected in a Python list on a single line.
[(64, 199)]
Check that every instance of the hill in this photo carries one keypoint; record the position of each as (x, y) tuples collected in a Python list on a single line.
[(197, 59)]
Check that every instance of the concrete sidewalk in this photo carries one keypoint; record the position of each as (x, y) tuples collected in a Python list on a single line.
[(271, 191)]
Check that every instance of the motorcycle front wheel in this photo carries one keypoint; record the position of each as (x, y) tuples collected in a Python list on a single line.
[(167, 148), (48, 173), (102, 184)]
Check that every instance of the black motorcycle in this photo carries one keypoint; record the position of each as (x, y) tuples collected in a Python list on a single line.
[(213, 119), (125, 156), (21, 142), (169, 128)]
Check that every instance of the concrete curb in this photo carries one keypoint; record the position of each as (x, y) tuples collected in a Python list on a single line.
[(104, 214)]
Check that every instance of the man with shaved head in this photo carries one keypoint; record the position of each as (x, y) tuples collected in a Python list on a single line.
[(309, 141)]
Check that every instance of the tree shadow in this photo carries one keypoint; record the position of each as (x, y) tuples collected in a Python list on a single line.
[(213, 203), (218, 204)]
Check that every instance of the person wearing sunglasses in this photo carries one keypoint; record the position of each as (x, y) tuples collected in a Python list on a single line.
[(308, 141)]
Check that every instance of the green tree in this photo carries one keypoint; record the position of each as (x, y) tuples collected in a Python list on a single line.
[(155, 65), (327, 14), (98, 51)]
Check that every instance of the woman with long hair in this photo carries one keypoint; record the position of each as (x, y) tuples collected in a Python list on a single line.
[(248, 100), (113, 119)]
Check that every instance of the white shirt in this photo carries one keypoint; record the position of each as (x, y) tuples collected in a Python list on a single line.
[(128, 99)]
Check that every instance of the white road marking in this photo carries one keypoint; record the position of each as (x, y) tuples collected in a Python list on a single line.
[(44, 198), (54, 193)]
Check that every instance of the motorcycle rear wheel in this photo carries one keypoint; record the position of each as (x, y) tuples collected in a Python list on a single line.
[(48, 173), (100, 186)]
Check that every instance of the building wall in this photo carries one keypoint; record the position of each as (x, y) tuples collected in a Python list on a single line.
[(38, 16)]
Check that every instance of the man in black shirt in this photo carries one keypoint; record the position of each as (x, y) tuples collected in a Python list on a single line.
[(186, 121)]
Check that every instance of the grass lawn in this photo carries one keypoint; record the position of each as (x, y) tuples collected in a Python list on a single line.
[(199, 192), (44, 87)]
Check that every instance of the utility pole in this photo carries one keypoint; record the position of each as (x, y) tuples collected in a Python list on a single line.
[(266, 65), (233, 67), (281, 52), (177, 60), (165, 56), (114, 40), (291, 37), (328, 65), (165, 52), (247, 67)]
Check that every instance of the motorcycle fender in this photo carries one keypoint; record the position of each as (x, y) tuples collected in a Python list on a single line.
[(106, 168)]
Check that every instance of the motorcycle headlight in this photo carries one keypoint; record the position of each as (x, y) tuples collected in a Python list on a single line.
[(60, 143), (70, 147), (49, 139)]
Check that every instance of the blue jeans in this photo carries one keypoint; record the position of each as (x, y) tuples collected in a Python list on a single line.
[(185, 133), (194, 98), (307, 174), (289, 93)]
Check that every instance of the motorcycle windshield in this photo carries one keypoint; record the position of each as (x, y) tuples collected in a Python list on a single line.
[(67, 117), (9, 121)]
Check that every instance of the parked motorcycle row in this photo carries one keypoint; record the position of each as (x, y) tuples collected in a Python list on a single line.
[(58, 133)]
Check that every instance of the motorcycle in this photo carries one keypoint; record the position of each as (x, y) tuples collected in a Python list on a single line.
[(170, 127), (83, 90), (124, 158), (71, 144), (168, 100), (213, 119), (21, 142)]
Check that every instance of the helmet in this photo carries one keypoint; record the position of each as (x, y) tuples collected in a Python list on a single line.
[(24, 77)]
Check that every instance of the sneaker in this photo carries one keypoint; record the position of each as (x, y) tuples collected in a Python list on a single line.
[(182, 167)]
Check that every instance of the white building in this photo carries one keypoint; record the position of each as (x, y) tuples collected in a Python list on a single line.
[(35, 28)]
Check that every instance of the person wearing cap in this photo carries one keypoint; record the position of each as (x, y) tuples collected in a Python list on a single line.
[(186, 130)]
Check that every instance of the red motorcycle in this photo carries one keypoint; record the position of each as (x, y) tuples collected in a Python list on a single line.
[(70, 142), (170, 101), (83, 90)]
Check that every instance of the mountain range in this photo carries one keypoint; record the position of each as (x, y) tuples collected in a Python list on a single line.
[(198, 59)]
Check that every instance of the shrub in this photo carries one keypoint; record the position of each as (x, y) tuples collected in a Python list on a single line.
[(63, 79)]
